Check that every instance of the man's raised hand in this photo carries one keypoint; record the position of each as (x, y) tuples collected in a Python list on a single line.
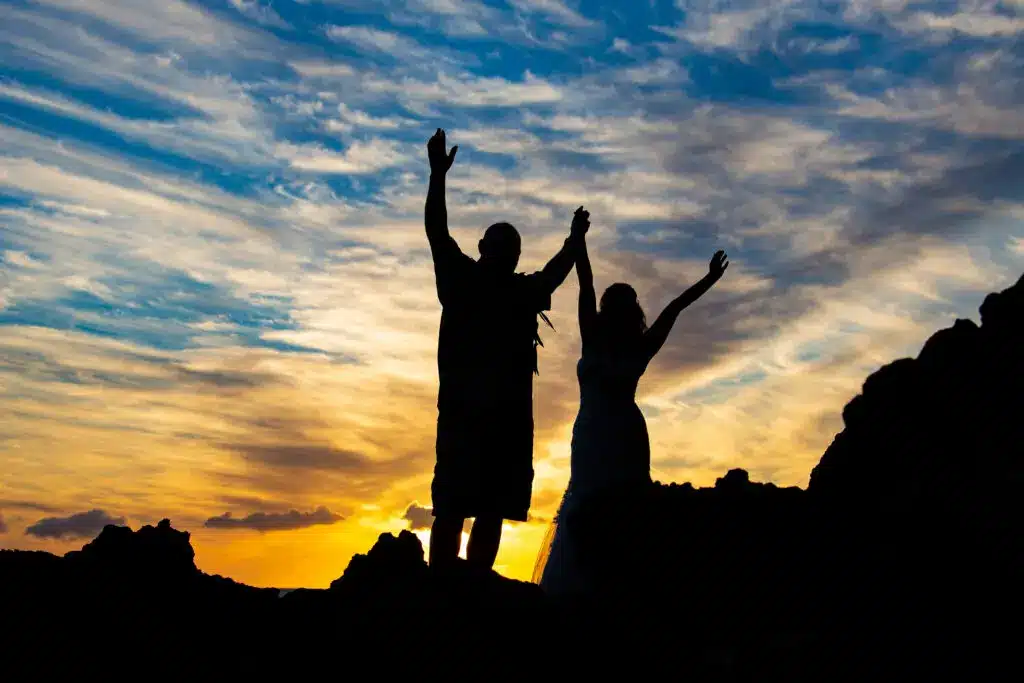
[(440, 159), (580, 222)]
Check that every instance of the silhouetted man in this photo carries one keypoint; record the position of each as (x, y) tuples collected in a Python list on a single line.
[(487, 356)]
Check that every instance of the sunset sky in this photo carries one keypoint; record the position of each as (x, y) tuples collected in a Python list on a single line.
[(216, 297)]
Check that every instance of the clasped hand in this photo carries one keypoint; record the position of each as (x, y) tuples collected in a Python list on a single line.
[(580, 222)]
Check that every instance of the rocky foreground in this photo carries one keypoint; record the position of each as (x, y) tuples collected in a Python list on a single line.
[(902, 559)]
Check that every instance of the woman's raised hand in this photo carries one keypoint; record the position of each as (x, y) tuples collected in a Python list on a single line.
[(719, 262)]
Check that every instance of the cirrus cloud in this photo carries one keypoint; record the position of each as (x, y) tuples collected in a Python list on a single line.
[(79, 525), (274, 521)]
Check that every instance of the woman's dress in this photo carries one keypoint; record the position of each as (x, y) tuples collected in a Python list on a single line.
[(610, 453)]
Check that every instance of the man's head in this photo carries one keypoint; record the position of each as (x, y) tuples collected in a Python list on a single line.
[(500, 247)]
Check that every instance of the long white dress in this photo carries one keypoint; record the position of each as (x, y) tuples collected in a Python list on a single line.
[(610, 449)]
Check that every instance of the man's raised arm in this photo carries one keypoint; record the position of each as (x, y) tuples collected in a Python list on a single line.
[(436, 213), (557, 269)]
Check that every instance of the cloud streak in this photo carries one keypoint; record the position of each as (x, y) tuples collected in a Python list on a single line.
[(79, 525), (261, 13), (274, 521), (422, 518), (419, 517)]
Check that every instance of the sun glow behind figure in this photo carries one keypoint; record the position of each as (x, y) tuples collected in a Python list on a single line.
[(518, 551), (424, 536)]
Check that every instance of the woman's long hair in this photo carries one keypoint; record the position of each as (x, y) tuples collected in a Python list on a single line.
[(620, 317)]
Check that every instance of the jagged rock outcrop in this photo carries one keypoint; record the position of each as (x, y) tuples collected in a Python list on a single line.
[(395, 571), (901, 559), (159, 553), (906, 545), (137, 589), (924, 427), (938, 441), (390, 585), (393, 560)]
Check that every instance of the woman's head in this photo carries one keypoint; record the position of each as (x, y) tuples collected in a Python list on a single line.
[(622, 317)]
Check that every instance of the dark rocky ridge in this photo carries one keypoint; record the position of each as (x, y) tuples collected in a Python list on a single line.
[(902, 559)]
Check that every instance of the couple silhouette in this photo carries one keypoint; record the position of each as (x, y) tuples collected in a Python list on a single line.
[(487, 356)]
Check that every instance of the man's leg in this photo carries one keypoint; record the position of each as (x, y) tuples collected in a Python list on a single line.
[(484, 539), (445, 539)]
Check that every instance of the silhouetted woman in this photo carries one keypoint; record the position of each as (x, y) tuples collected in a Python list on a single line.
[(611, 453)]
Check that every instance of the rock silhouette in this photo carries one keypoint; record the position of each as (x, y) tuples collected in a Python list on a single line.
[(906, 548), (902, 558)]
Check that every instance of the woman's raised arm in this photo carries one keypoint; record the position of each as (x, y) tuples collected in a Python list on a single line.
[(656, 335), (588, 299)]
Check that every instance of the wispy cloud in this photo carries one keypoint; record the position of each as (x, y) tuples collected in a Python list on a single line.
[(557, 11), (175, 21), (28, 505), (78, 525), (421, 518), (350, 120), (979, 20), (260, 12), (466, 90), (358, 158), (274, 521), (379, 42), (719, 30)]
